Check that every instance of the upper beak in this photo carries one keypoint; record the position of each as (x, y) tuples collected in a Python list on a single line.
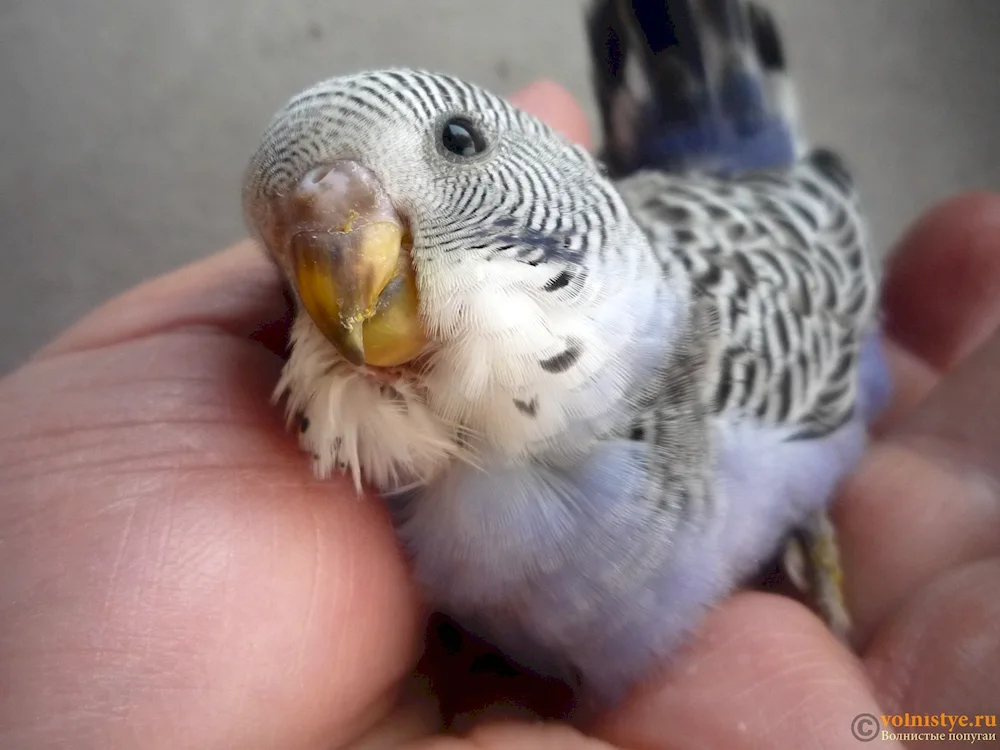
[(351, 266)]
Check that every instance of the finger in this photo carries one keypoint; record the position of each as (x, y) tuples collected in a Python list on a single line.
[(942, 292), (912, 379), (904, 514), (180, 578), (942, 651), (514, 736), (556, 106), (926, 497), (762, 671), (415, 715), (236, 291), (940, 296)]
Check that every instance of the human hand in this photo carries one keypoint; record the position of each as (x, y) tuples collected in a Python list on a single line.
[(174, 577)]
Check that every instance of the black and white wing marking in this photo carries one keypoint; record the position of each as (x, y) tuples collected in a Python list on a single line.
[(784, 259)]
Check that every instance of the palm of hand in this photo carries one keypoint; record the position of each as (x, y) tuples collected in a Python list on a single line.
[(175, 577)]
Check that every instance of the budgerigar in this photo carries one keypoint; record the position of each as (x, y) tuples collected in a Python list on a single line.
[(597, 396)]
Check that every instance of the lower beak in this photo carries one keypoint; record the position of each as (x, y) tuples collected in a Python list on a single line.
[(351, 267)]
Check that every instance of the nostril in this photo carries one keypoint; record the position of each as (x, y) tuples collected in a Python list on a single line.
[(317, 175), (336, 187)]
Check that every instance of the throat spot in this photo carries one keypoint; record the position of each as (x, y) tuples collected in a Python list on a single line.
[(565, 359), (527, 408), (374, 427)]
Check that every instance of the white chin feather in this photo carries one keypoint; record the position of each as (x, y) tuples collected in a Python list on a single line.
[(485, 390), (380, 433)]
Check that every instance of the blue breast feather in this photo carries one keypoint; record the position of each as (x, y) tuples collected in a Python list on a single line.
[(574, 573)]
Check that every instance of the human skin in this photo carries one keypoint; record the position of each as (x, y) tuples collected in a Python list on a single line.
[(173, 576)]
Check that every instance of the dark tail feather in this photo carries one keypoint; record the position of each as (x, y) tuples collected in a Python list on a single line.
[(692, 85)]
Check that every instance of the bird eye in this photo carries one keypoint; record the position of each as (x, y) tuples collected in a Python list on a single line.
[(462, 138)]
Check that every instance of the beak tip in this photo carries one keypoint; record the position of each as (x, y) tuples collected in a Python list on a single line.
[(355, 358), (350, 344)]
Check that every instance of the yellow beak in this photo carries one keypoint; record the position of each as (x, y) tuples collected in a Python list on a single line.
[(351, 266)]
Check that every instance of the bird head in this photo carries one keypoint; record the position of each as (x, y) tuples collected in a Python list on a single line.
[(462, 274)]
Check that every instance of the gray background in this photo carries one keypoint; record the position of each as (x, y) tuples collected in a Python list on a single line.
[(125, 124)]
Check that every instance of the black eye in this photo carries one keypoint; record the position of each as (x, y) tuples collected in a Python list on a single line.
[(462, 138)]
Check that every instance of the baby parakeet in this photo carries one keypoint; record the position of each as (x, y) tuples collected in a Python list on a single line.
[(596, 395)]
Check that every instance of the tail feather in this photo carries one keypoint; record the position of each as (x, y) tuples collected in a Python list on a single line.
[(692, 85)]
